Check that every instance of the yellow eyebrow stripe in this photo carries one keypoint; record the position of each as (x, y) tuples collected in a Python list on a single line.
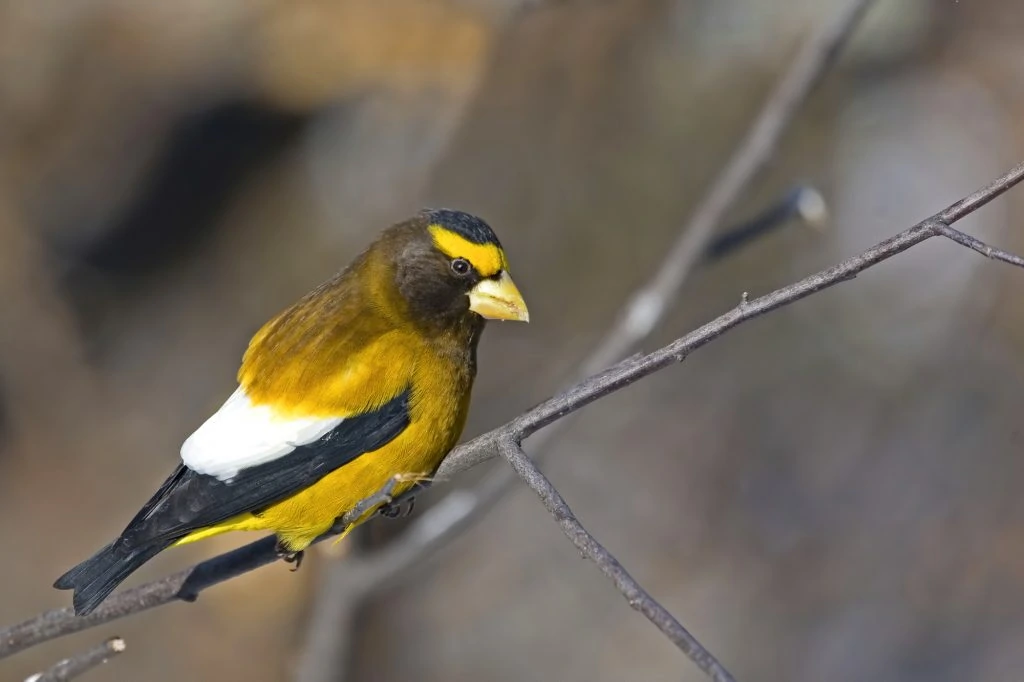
[(488, 259)]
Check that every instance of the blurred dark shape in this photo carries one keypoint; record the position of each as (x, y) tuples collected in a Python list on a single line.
[(803, 203), (209, 156)]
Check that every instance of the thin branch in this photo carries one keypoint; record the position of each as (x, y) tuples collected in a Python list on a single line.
[(181, 586), (325, 651), (641, 315), (753, 153), (648, 306), (447, 519), (70, 668), (636, 595), (981, 247), (187, 584), (633, 369)]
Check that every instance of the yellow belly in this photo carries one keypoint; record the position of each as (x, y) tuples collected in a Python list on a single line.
[(441, 382), (301, 518)]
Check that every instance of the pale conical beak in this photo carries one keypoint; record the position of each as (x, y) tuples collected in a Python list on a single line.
[(498, 299)]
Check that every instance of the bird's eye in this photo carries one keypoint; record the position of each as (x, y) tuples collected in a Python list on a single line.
[(461, 267)]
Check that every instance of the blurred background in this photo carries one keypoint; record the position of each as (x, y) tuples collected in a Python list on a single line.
[(830, 492)]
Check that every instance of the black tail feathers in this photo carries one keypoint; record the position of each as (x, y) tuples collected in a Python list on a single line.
[(95, 578)]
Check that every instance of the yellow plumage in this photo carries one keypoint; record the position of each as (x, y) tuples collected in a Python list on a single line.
[(438, 411), (365, 378)]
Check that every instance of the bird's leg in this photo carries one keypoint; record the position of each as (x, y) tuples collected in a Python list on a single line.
[(398, 509), (406, 502), (288, 556)]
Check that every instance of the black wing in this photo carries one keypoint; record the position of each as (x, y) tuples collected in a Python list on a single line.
[(188, 501)]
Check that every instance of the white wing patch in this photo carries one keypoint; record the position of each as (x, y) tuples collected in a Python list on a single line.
[(241, 435)]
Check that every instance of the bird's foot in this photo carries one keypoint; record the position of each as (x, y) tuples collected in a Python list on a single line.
[(288, 556), (398, 509)]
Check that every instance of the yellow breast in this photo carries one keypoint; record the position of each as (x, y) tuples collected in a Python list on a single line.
[(346, 350), (438, 409)]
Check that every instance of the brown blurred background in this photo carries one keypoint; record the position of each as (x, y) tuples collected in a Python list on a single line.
[(831, 492)]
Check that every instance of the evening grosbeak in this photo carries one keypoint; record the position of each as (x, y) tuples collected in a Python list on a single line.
[(365, 378)]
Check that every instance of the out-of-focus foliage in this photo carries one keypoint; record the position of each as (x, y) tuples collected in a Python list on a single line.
[(828, 493)]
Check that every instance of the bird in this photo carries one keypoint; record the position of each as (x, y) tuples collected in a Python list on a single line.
[(365, 380)]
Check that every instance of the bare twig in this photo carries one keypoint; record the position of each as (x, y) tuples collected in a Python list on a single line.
[(751, 155), (187, 584), (326, 648), (635, 368), (448, 518), (70, 668), (977, 245), (636, 595), (181, 586), (343, 589), (646, 309)]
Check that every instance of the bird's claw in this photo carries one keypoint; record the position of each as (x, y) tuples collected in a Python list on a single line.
[(399, 509), (289, 557)]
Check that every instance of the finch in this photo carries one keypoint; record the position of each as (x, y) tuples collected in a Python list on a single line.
[(366, 377)]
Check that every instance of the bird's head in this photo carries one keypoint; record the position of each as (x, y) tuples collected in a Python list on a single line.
[(450, 264)]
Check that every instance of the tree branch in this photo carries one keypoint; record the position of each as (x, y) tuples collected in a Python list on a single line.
[(637, 367), (187, 584), (345, 585), (648, 306), (636, 595), (181, 586), (70, 668), (444, 521), (976, 244), (638, 319)]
